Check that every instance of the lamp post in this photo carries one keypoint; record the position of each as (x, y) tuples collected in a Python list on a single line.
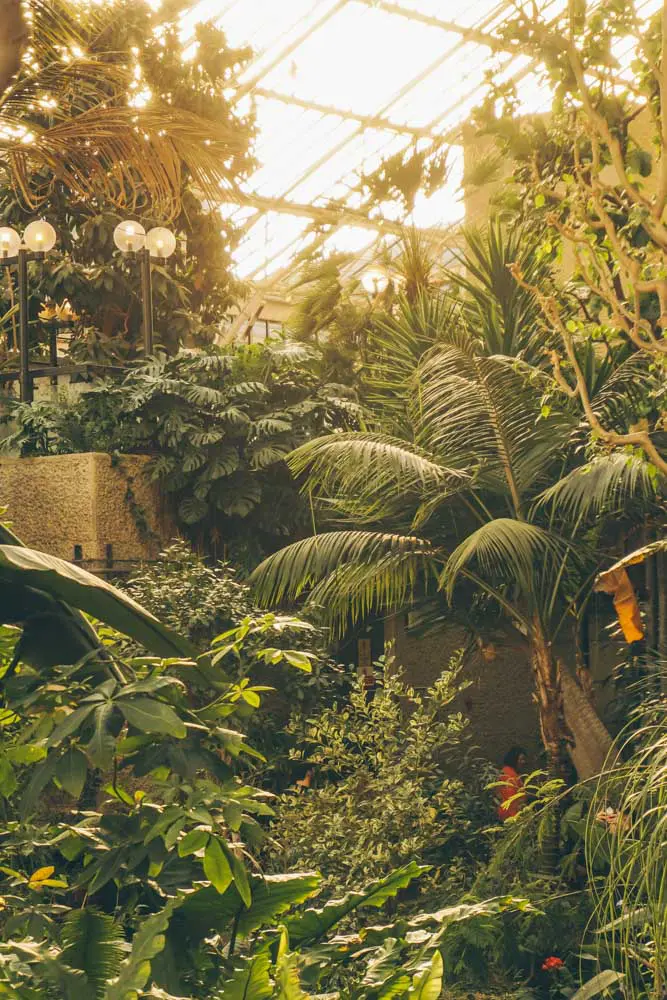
[(39, 237), (375, 281), (159, 243)]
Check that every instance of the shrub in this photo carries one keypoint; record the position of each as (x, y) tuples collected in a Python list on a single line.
[(390, 786)]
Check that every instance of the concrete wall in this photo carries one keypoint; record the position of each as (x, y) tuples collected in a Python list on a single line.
[(499, 700), (62, 501)]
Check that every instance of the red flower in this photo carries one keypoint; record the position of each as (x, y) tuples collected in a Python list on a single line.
[(553, 962)]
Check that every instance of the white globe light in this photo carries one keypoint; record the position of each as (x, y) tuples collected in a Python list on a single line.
[(10, 241), (375, 280), (161, 242), (129, 236), (40, 236)]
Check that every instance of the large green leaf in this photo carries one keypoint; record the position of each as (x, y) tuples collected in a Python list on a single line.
[(598, 984), (152, 716), (64, 582), (428, 985), (216, 866), (102, 743), (314, 923), (250, 981), (205, 910), (71, 771)]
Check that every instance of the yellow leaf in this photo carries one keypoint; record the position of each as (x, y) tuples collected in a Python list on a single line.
[(41, 874)]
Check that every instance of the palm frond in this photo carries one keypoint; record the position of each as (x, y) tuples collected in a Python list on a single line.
[(367, 467), (355, 590), (603, 486), (483, 411), (398, 342), (503, 316), (503, 549), (86, 136), (115, 152), (287, 574)]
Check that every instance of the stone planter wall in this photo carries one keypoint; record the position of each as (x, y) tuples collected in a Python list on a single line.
[(76, 506)]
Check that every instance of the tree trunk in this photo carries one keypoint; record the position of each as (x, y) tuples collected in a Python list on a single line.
[(591, 743), (549, 698), (13, 39), (554, 734)]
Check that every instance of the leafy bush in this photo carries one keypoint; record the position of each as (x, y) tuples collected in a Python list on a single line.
[(390, 787), (201, 599), (193, 597), (130, 838)]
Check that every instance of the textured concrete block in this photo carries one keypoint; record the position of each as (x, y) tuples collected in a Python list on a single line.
[(81, 504)]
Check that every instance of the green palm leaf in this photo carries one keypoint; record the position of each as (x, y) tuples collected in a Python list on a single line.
[(302, 565), (506, 549), (398, 342), (503, 317), (355, 589), (483, 411), (604, 485), (372, 469)]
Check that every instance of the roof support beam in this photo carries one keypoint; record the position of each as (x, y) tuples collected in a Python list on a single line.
[(249, 85), (468, 34), (368, 121), (325, 215)]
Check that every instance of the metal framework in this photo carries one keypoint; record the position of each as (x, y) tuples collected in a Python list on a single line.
[(319, 133)]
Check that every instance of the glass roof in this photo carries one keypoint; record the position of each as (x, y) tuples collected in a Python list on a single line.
[(340, 85)]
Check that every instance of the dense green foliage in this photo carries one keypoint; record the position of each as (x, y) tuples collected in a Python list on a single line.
[(470, 486), (218, 427), (394, 780), (131, 832)]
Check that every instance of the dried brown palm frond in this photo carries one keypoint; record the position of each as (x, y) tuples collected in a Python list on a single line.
[(121, 153), (66, 118)]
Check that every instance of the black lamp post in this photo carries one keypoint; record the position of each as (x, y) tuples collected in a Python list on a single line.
[(159, 243), (38, 238)]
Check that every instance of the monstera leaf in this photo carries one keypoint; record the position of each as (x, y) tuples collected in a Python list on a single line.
[(46, 597)]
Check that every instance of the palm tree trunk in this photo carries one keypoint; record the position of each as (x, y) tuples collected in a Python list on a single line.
[(13, 39), (549, 698), (591, 743)]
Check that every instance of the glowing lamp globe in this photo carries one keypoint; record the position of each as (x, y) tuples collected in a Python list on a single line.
[(161, 242), (10, 241), (129, 236), (375, 281), (40, 237)]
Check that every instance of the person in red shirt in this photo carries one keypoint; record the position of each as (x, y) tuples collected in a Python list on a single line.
[(511, 792)]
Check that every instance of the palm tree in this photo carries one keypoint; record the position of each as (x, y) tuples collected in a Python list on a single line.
[(66, 116), (446, 496)]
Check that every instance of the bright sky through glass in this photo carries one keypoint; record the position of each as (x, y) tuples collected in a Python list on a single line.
[(416, 79)]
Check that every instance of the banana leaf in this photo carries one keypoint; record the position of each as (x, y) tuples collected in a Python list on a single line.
[(46, 597)]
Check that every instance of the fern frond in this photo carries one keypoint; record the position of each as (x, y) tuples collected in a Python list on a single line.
[(94, 944)]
